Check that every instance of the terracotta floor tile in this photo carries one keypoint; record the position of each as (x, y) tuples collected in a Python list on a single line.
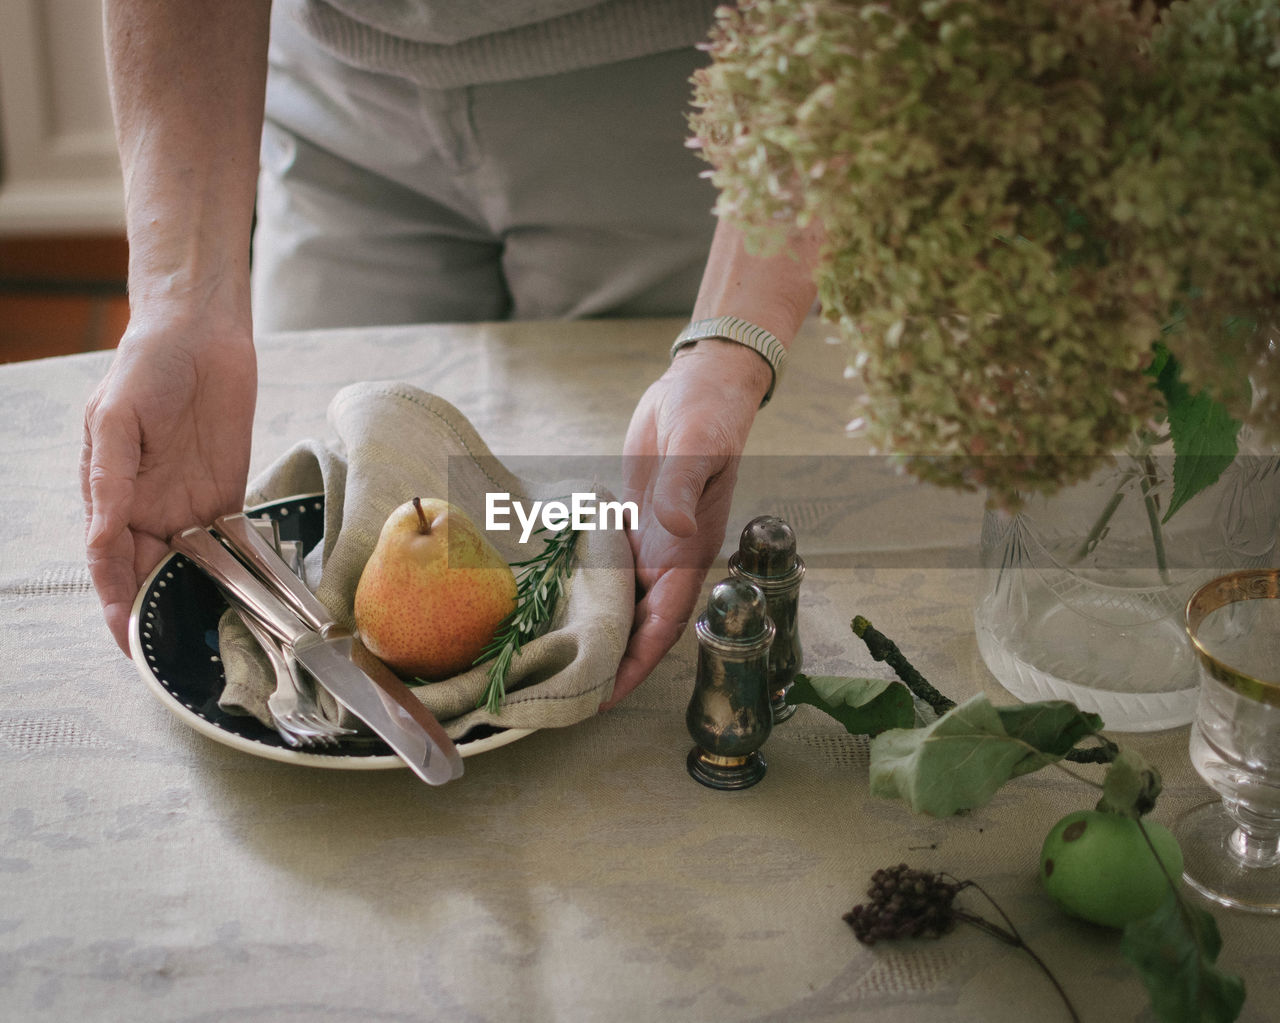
[(35, 326)]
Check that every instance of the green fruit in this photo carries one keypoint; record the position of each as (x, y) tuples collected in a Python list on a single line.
[(1097, 866)]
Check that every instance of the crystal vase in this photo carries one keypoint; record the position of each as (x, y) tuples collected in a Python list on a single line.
[(1084, 591)]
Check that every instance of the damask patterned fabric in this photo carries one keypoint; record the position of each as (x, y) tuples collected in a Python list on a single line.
[(149, 873)]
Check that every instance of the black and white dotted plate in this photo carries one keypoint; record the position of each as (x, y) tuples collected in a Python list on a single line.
[(173, 637)]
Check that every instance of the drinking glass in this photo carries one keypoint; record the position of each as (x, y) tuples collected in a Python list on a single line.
[(1231, 846)]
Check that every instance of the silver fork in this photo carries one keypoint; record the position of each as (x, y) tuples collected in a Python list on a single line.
[(293, 706), (295, 692)]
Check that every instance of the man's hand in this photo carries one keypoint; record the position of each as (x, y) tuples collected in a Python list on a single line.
[(166, 439), (680, 466), (166, 445)]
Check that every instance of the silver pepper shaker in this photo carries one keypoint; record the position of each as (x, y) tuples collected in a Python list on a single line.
[(728, 715), (767, 557)]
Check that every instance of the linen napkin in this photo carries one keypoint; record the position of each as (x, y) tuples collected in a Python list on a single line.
[(395, 441)]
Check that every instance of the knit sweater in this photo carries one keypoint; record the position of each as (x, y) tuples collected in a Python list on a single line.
[(453, 43)]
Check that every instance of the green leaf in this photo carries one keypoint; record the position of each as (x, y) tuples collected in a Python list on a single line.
[(1203, 431), (1053, 726), (1174, 951), (865, 706), (1160, 357), (1130, 787), (962, 759)]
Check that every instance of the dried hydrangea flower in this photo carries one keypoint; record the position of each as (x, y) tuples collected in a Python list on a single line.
[(1018, 197)]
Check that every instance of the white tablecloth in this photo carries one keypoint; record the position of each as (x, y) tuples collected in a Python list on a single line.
[(152, 874)]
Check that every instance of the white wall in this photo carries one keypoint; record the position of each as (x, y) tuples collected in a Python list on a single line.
[(58, 164)]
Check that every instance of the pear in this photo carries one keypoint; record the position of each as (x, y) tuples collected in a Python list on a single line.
[(433, 592)]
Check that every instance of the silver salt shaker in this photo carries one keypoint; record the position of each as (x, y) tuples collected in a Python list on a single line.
[(767, 557), (728, 715)]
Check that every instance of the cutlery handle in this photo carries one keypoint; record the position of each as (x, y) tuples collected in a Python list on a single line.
[(240, 586), (249, 544)]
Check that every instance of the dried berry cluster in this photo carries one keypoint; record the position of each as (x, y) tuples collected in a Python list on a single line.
[(905, 903)]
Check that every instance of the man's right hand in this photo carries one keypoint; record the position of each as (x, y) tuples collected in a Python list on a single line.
[(166, 439), (166, 445)]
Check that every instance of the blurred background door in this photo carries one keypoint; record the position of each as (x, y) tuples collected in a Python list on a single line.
[(62, 251)]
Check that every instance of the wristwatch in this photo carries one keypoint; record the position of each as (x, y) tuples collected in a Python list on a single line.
[(743, 332)]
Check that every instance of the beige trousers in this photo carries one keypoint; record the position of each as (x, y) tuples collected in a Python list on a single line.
[(382, 202)]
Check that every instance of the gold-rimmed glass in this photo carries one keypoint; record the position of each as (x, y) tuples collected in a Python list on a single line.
[(1231, 846)]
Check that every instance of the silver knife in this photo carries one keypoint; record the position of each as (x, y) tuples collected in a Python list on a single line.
[(244, 539), (387, 706)]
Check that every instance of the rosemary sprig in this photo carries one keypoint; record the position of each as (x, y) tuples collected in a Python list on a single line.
[(540, 582)]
